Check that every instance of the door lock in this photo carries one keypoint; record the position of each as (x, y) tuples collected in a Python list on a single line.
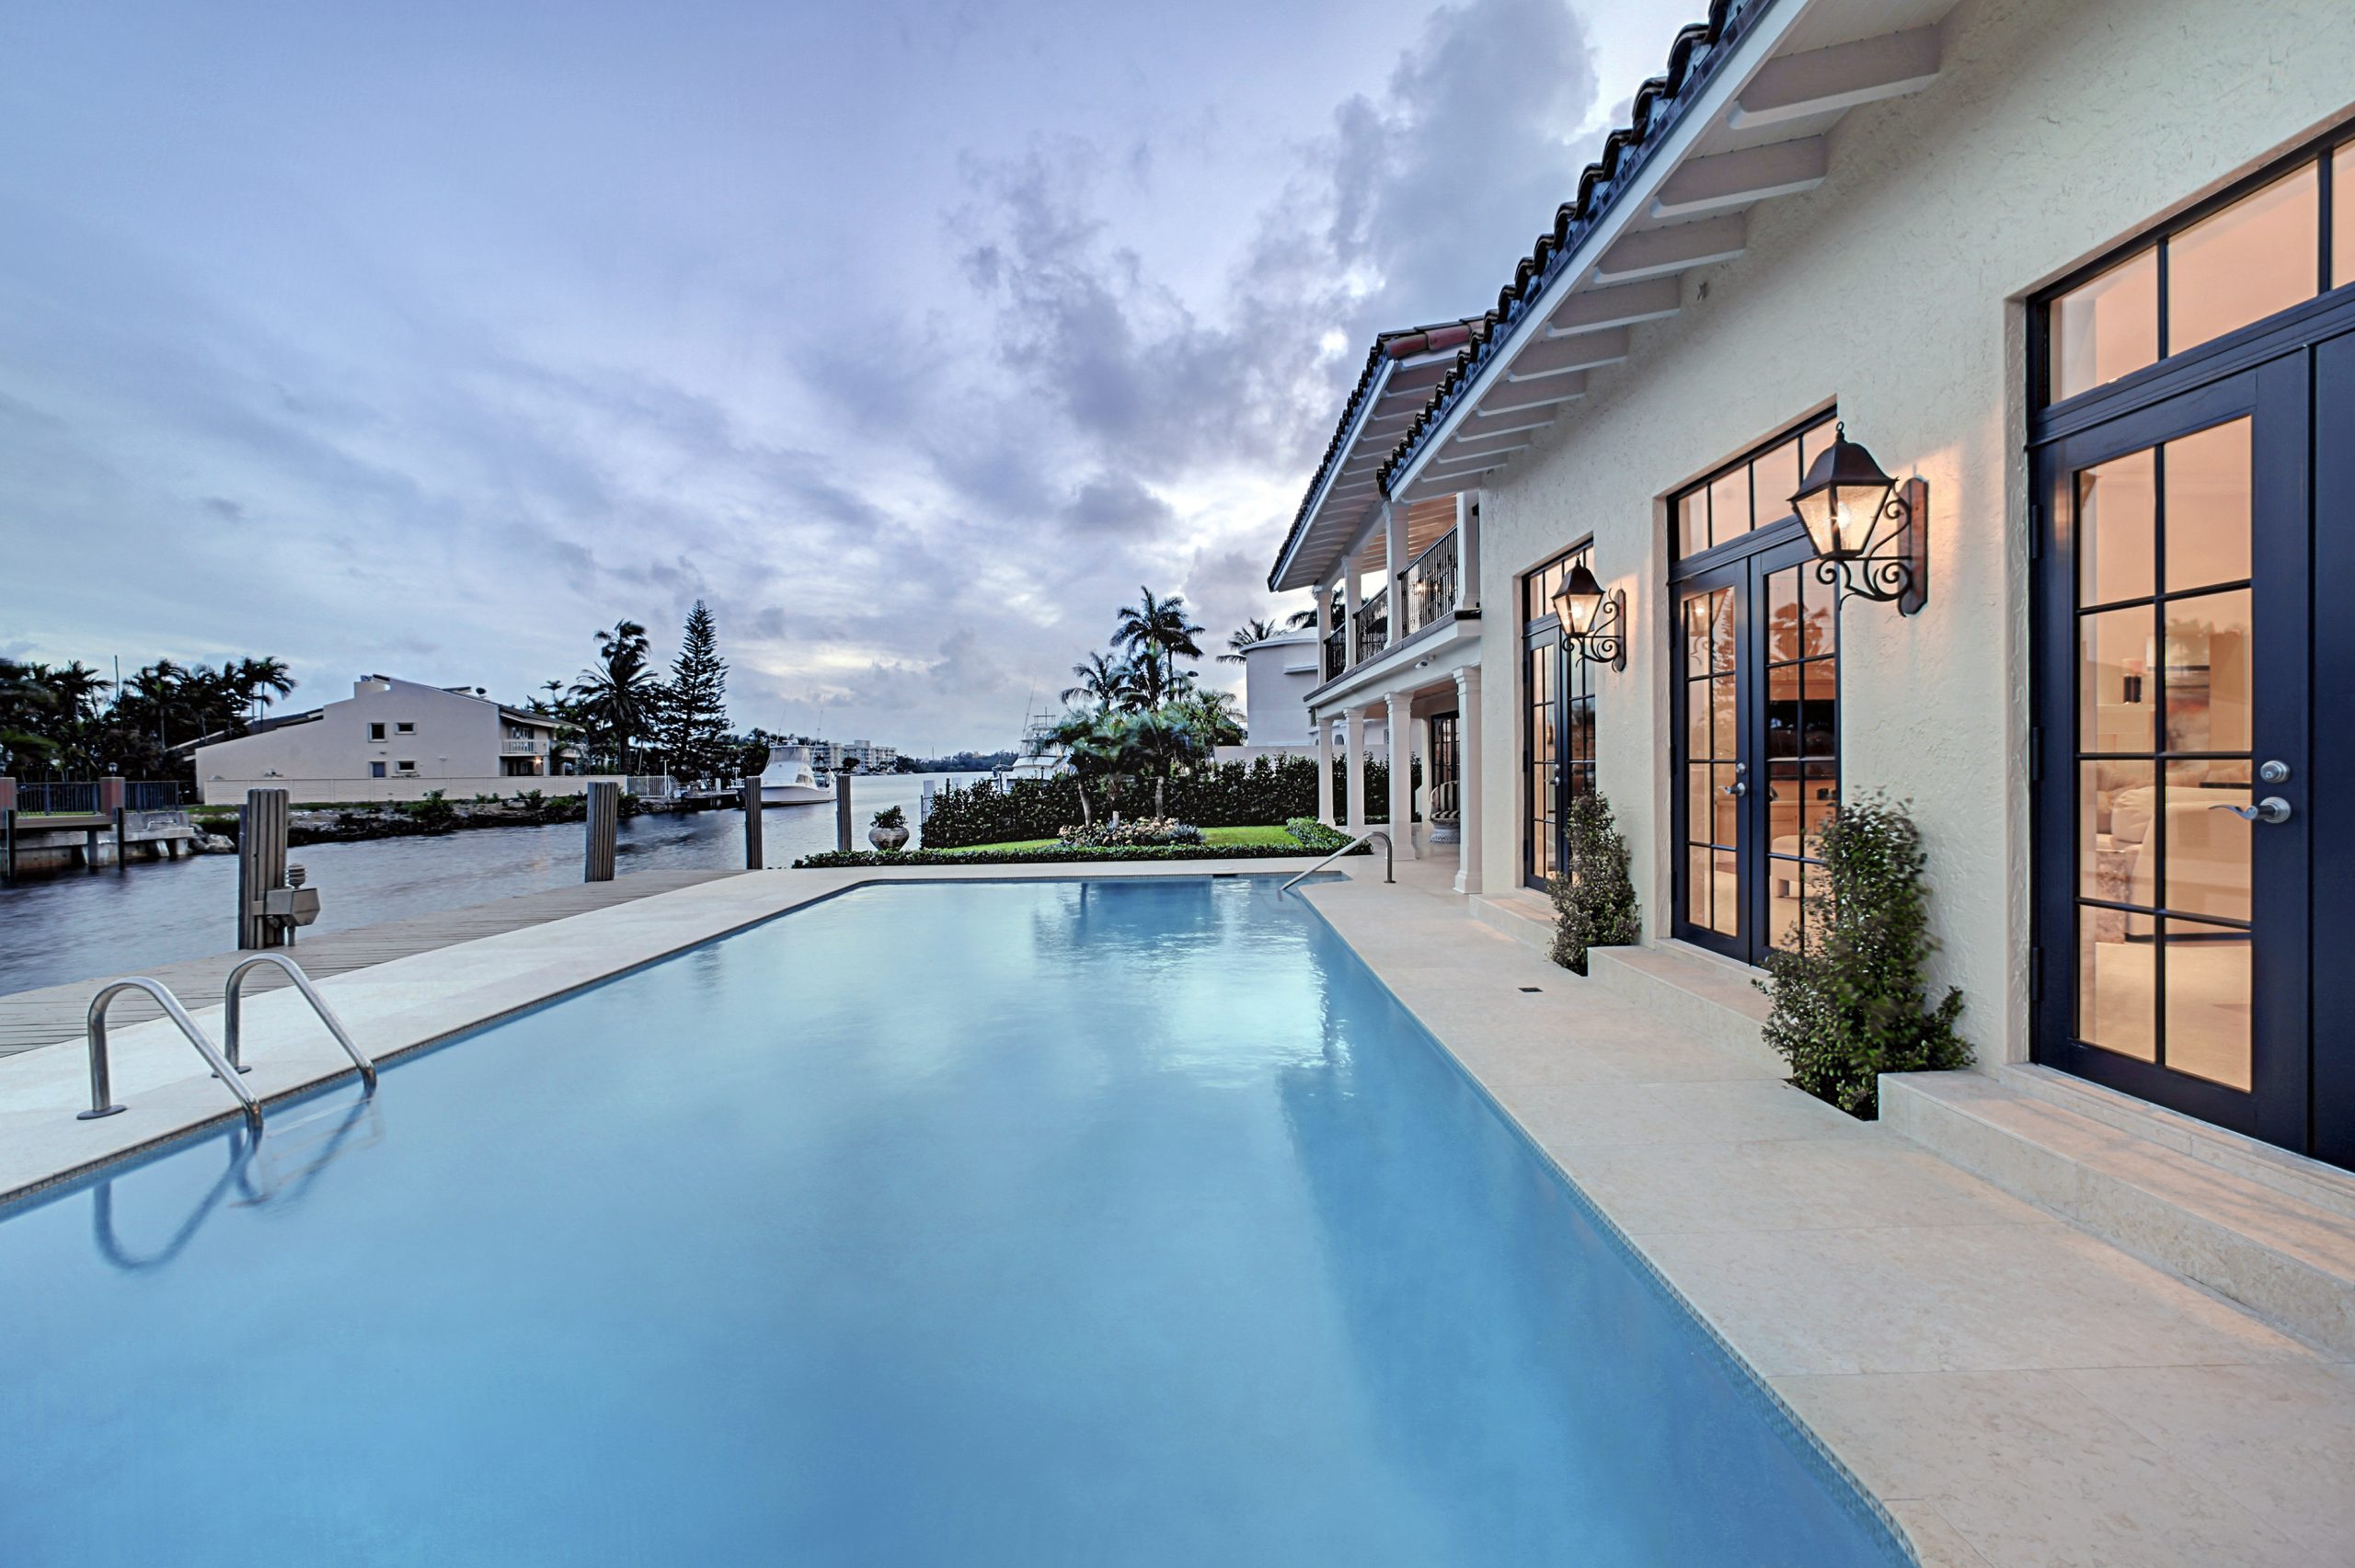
[(1740, 786), (2273, 809), (2274, 772)]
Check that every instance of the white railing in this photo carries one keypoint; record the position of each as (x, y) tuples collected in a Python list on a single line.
[(522, 748)]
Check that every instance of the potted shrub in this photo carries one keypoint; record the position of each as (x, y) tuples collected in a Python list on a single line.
[(1594, 898), (890, 831), (1851, 1000)]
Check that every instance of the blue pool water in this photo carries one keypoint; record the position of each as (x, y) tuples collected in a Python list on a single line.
[(1094, 1224)]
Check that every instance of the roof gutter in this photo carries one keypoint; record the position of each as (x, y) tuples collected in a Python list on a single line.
[(1766, 24)]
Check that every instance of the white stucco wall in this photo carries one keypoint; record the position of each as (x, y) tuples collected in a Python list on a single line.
[(2054, 132), (456, 746), (1276, 676)]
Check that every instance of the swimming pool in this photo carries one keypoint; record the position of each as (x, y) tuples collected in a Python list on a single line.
[(1106, 1223)]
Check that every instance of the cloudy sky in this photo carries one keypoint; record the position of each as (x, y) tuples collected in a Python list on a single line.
[(912, 336)]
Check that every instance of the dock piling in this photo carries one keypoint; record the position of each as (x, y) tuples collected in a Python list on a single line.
[(751, 788), (604, 829), (261, 864), (842, 810)]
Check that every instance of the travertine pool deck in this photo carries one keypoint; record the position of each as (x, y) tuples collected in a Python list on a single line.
[(2013, 1389)]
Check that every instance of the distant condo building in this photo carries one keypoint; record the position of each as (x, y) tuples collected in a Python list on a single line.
[(829, 756)]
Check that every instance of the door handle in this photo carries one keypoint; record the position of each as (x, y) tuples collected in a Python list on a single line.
[(1740, 788), (2273, 809)]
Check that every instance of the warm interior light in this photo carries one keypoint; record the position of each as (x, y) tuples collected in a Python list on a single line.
[(1842, 499), (1579, 601)]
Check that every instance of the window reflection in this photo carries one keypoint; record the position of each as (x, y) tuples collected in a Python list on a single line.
[(2243, 263)]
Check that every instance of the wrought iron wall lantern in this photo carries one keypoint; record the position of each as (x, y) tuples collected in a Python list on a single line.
[(1871, 538), (1595, 620)]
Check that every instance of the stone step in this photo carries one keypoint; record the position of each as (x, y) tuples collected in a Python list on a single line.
[(1688, 987), (1521, 914), (2264, 1227)]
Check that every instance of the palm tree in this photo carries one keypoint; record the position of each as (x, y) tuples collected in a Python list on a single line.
[(619, 694), (1258, 629), (260, 683), (1108, 682), (1155, 631)]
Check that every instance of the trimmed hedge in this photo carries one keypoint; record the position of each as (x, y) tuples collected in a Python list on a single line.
[(1263, 793), (833, 860)]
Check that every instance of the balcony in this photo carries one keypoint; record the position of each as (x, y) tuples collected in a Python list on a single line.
[(1431, 584), (1374, 627), (522, 748)]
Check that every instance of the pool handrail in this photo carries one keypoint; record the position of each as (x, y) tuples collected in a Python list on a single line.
[(229, 1009), (101, 1090), (1389, 860)]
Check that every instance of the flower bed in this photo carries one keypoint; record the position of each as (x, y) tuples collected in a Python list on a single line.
[(835, 859)]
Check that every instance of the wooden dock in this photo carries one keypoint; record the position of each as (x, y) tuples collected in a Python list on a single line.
[(30, 1018)]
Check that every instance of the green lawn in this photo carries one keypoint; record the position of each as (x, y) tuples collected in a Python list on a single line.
[(1275, 835)]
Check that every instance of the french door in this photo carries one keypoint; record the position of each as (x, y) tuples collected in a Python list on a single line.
[(2192, 830), (1757, 750)]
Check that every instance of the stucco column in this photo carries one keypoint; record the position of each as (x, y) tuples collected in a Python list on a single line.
[(1467, 775), (1394, 568), (1401, 717), (1354, 737), (1467, 551), (1323, 629), (1324, 722), (1350, 603)]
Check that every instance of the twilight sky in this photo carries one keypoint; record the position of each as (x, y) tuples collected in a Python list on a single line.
[(911, 335)]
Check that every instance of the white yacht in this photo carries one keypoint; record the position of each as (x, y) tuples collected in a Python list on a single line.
[(789, 780)]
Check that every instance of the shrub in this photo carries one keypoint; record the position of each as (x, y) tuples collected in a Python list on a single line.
[(1315, 835), (1143, 830), (1850, 1001), (432, 813), (890, 816), (1594, 897), (1261, 793)]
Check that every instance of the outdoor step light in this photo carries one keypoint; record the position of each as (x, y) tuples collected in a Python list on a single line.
[(1595, 620), (1871, 542)]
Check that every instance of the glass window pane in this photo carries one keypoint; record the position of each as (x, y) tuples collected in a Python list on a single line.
[(1823, 797), (1696, 888), (1783, 615), (2117, 981), (1721, 652), (2253, 258), (2116, 516), (2106, 326), (1697, 634), (2208, 504), (2207, 848), (1821, 736), (2117, 857), (1693, 522), (1723, 742), (2114, 696), (2342, 216), (1724, 810), (1697, 804), (2208, 1001), (1729, 506), (2208, 673), (1783, 891), (1774, 479), (1696, 720), (1725, 893)]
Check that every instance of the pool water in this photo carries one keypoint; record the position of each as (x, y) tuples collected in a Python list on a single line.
[(1111, 1223)]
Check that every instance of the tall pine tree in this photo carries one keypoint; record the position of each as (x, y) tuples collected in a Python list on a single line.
[(694, 705)]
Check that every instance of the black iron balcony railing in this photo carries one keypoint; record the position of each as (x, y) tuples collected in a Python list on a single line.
[(1430, 583), (1337, 652), (1374, 627)]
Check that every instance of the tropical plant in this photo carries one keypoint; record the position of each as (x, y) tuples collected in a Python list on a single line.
[(1104, 681), (619, 698), (1594, 898), (1850, 998), (1138, 830), (1157, 632), (1258, 629), (1212, 714), (890, 817)]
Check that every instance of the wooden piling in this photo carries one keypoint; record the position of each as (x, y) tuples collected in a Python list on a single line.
[(604, 829), (751, 788), (842, 810), (261, 862)]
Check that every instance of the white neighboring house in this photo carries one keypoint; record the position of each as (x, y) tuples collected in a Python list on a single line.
[(1278, 674), (391, 740)]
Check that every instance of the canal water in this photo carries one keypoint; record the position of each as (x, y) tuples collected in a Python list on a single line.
[(75, 925)]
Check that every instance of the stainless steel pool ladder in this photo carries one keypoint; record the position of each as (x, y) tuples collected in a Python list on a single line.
[(226, 1068), (101, 1090), (1389, 862), (229, 1009)]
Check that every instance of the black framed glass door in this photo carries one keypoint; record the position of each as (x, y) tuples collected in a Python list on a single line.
[(2175, 774), (1757, 725), (1557, 721)]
